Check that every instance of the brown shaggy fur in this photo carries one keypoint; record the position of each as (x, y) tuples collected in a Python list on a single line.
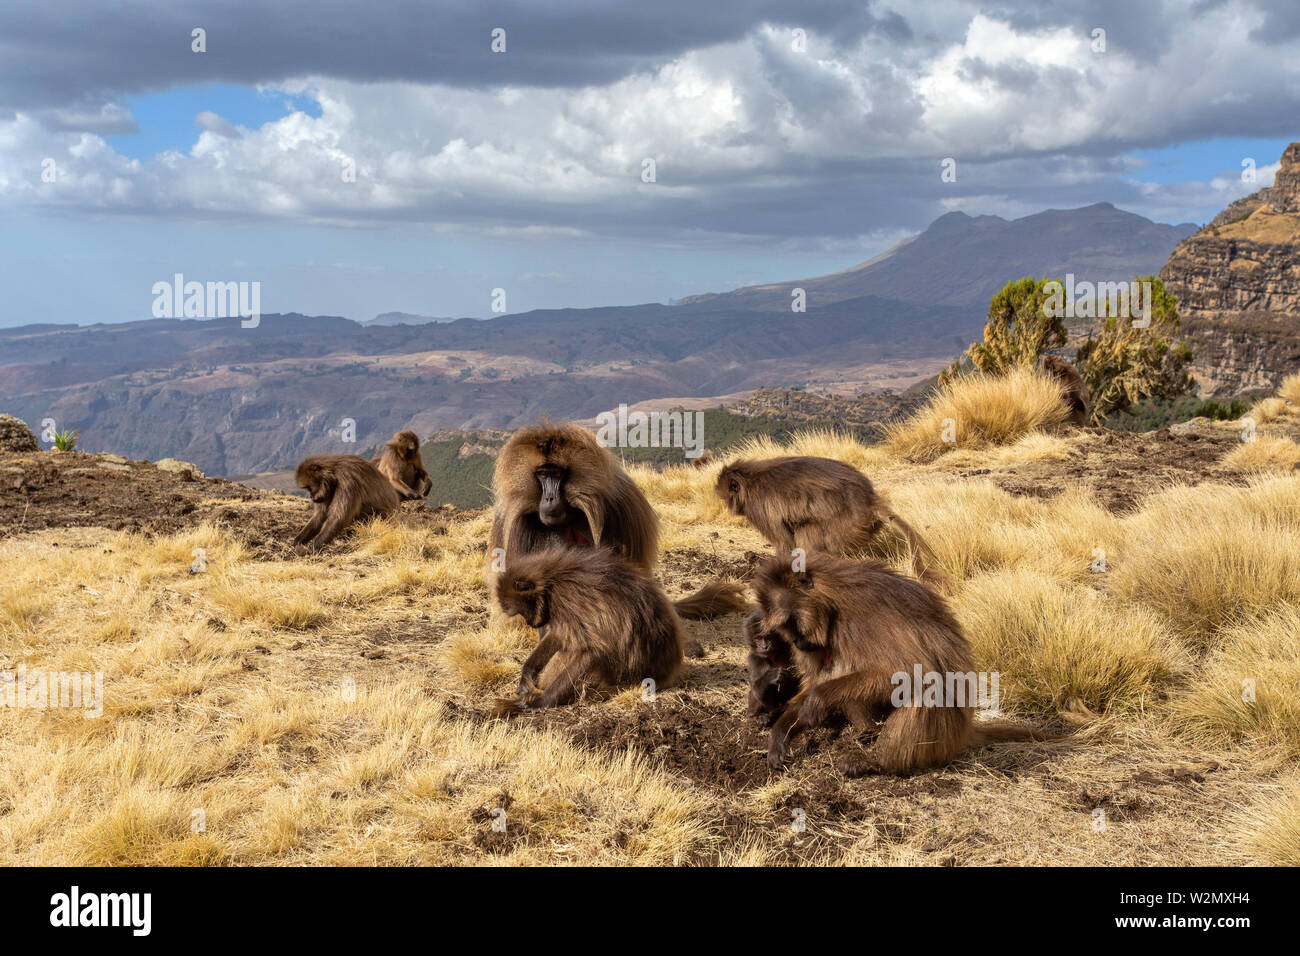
[(818, 504), (344, 488), (403, 465), (772, 680), (601, 620), (1077, 396), (853, 625), (591, 502)]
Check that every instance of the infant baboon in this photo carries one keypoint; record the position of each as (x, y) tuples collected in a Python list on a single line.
[(861, 635), (600, 620), (344, 488), (403, 465), (818, 504), (1077, 396), (772, 681)]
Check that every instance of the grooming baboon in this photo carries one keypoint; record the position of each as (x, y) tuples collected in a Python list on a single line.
[(555, 486), (860, 633), (772, 680), (344, 488), (1077, 396), (401, 463), (600, 619), (817, 504)]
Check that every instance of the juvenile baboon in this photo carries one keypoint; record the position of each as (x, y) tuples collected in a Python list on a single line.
[(344, 488), (600, 619), (817, 504), (402, 464), (1077, 396), (555, 486), (860, 632), (772, 680)]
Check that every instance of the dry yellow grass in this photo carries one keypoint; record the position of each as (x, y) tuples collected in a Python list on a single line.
[(1209, 556), (977, 411), (1268, 409), (1289, 390), (1054, 645), (1264, 454), (1270, 830), (330, 710), (1249, 690)]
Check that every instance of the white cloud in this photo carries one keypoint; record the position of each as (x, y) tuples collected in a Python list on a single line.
[(748, 136)]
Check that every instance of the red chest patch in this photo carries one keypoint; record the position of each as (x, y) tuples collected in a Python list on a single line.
[(577, 539)]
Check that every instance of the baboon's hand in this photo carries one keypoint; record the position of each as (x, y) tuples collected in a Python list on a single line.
[(776, 749)]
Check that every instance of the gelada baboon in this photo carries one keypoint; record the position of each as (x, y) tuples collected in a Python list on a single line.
[(772, 680), (1077, 397), (344, 489), (401, 463), (600, 621), (862, 633), (555, 486), (818, 504)]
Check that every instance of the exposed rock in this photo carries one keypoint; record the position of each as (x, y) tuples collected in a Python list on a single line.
[(185, 470), (16, 436), (1238, 287)]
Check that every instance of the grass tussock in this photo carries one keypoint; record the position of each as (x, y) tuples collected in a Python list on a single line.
[(1052, 645), (1269, 409), (1208, 557), (1264, 454), (1249, 690), (979, 411), (1271, 829), (1289, 390)]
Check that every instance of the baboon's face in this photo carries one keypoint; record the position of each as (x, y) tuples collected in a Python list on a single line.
[(320, 487), (525, 597), (793, 612), (552, 506), (731, 489)]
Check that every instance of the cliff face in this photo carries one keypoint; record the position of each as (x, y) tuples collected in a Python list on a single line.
[(1238, 288)]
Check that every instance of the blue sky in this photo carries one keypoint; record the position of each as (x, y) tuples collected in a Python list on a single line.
[(166, 119), (524, 170)]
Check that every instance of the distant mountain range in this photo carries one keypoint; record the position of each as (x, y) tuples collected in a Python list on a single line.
[(403, 318), (239, 401)]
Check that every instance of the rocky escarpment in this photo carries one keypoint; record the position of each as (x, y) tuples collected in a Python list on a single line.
[(1238, 288)]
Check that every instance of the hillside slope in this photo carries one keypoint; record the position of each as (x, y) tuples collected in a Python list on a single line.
[(335, 710)]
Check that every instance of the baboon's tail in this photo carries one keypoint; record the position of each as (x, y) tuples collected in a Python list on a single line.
[(715, 599), (924, 563), (1001, 732)]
